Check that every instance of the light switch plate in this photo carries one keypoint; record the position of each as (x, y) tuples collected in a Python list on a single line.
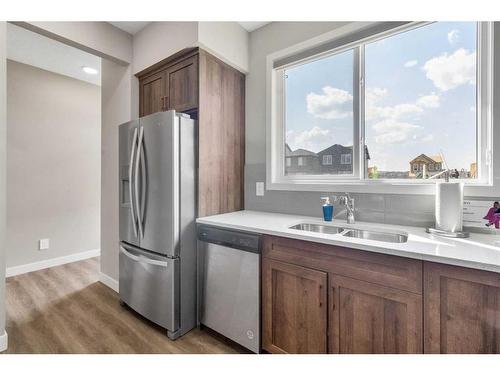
[(43, 244), (259, 189)]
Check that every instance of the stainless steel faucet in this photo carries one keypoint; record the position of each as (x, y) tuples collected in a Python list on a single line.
[(348, 202)]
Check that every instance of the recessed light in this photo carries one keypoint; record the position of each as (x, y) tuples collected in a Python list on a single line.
[(89, 70)]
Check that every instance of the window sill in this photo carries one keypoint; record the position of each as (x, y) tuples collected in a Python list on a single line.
[(380, 187)]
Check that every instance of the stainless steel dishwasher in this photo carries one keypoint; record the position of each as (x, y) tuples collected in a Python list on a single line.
[(229, 284)]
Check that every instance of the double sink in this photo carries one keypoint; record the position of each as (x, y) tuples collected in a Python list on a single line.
[(352, 232)]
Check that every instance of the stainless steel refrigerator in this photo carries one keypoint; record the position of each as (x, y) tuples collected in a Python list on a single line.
[(157, 219)]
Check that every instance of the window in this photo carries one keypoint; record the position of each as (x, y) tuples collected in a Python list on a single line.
[(312, 124), (288, 162), (391, 102), (300, 162), (345, 159)]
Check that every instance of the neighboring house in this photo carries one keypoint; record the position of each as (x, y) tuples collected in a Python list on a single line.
[(473, 170), (336, 159), (431, 165), (300, 161)]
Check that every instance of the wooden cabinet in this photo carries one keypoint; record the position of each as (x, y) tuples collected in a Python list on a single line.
[(172, 85), (368, 318), (182, 85), (152, 93), (294, 309), (374, 301), (462, 310), (197, 83)]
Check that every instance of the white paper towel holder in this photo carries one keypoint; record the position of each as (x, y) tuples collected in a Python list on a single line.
[(444, 233)]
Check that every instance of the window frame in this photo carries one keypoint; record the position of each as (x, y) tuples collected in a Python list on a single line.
[(358, 181)]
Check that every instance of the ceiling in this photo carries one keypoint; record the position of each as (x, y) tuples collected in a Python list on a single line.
[(133, 27), (252, 25), (34, 49)]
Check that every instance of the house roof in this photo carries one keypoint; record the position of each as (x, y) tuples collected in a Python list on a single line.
[(335, 147), (429, 159), (300, 152)]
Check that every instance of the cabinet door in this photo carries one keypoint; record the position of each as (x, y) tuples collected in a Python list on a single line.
[(369, 318), (294, 308), (462, 310), (182, 85), (152, 94)]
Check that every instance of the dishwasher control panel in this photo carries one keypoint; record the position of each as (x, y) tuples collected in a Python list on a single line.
[(239, 240)]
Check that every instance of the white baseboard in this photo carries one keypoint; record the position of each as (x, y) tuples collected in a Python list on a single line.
[(109, 282), (30, 267), (3, 341)]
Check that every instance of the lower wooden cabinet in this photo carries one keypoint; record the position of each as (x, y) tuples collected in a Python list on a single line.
[(319, 298), (368, 318), (294, 308), (462, 310)]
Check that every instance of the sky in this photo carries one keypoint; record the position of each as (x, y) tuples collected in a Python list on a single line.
[(420, 98)]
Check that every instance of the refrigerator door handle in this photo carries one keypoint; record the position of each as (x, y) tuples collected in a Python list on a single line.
[(136, 183), (130, 182), (143, 259)]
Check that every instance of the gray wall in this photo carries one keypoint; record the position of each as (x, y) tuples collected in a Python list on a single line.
[(53, 164), (3, 131), (415, 210), (116, 109)]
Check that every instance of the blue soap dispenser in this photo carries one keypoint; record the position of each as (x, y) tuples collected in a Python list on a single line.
[(327, 209)]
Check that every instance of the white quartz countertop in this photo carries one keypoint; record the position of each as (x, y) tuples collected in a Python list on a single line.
[(478, 251)]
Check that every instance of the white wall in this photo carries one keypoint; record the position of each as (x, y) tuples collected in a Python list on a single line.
[(99, 38), (116, 109), (226, 40), (53, 164), (3, 131), (159, 40), (270, 38)]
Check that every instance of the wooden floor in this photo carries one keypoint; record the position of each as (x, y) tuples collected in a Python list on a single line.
[(65, 309)]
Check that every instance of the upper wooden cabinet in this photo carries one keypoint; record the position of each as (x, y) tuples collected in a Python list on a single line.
[(197, 83), (462, 310), (366, 318), (172, 84), (152, 93), (294, 308), (182, 85)]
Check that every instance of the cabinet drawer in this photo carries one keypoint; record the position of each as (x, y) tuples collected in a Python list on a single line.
[(388, 270)]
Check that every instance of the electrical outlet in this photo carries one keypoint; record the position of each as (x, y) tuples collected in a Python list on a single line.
[(43, 244), (259, 189)]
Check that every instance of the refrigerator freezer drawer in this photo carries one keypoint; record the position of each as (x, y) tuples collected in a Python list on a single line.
[(149, 285)]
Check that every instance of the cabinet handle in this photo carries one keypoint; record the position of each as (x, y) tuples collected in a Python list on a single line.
[(166, 103), (162, 100), (320, 289)]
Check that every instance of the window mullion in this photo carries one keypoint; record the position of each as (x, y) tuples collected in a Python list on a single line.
[(361, 112)]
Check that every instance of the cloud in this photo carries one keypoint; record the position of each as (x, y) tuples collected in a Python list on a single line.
[(314, 139), (374, 94), (391, 131), (429, 101), (450, 71), (333, 103), (410, 63), (427, 138), (453, 36)]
